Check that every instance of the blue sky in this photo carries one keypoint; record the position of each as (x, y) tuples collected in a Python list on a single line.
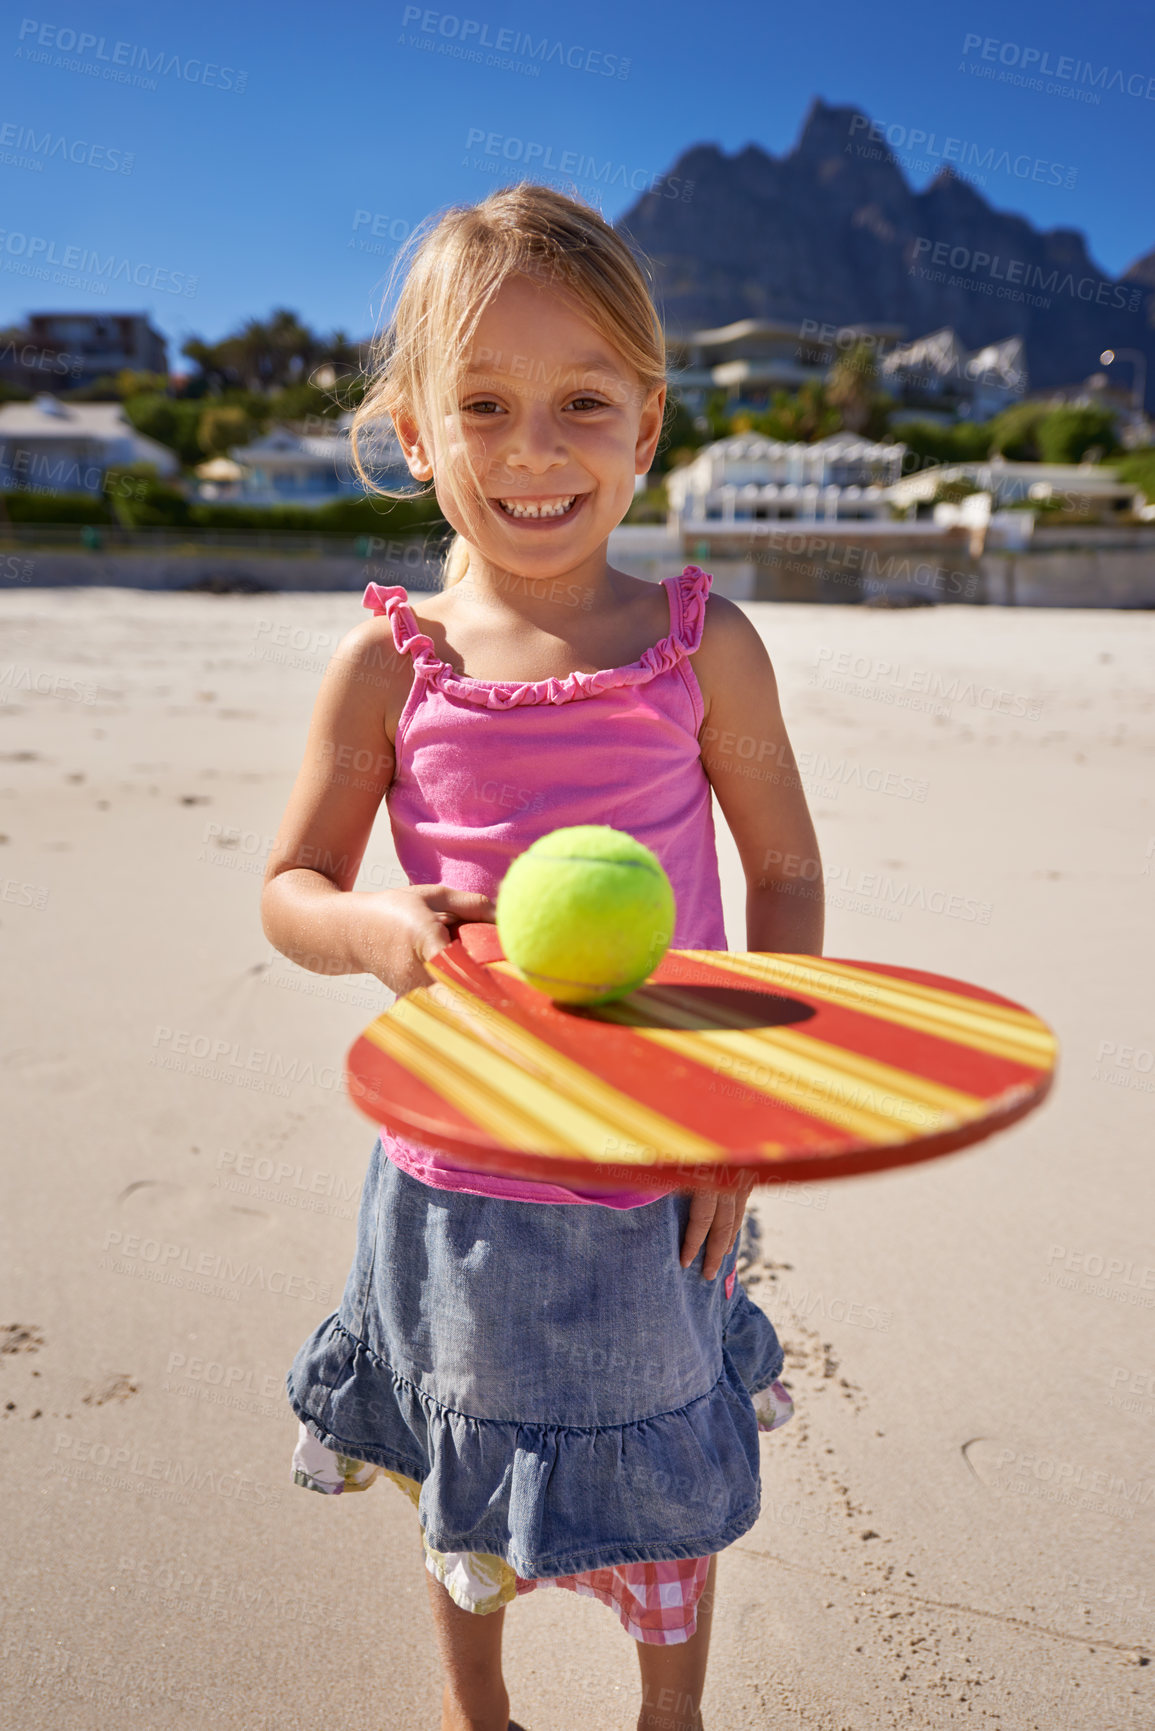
[(247, 193)]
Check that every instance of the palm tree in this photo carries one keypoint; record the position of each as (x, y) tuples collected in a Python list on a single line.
[(851, 385)]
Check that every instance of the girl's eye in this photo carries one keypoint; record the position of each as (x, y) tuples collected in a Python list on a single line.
[(488, 406)]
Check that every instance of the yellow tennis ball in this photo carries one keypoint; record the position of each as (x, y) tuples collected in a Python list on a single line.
[(585, 914)]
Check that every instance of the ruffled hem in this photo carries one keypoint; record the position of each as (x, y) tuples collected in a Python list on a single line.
[(687, 596), (317, 1468), (693, 1471), (655, 1602)]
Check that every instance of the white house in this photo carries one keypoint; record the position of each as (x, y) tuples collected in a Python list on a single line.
[(47, 446), (752, 358), (1091, 487), (752, 479), (938, 374), (287, 467)]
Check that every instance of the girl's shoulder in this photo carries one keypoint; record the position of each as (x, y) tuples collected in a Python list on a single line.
[(731, 653), (372, 659)]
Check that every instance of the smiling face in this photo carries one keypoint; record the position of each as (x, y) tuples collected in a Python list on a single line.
[(538, 466)]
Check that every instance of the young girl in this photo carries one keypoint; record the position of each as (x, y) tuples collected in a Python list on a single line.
[(555, 1374)]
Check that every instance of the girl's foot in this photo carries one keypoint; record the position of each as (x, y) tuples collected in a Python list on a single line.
[(495, 1719)]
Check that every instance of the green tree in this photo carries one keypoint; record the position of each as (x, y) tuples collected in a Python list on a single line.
[(962, 442), (1139, 469), (170, 421), (271, 354), (221, 427), (804, 415), (134, 384), (851, 386), (681, 437), (1067, 434), (1015, 432), (718, 413)]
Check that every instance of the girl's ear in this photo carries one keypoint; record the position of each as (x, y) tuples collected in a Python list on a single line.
[(649, 430), (412, 448)]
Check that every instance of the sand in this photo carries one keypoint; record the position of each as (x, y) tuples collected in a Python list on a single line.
[(957, 1527)]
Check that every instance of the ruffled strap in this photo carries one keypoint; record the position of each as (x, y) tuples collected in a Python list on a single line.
[(687, 597), (408, 638)]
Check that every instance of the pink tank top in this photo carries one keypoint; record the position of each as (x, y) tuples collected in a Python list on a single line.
[(484, 767)]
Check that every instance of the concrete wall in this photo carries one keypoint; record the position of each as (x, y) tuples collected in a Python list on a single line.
[(802, 564), (881, 572), (1083, 577), (223, 571), (1119, 577)]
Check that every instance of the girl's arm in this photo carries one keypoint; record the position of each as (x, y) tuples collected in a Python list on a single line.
[(309, 909), (748, 759)]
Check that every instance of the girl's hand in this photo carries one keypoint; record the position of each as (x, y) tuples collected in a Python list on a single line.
[(715, 1220), (400, 930)]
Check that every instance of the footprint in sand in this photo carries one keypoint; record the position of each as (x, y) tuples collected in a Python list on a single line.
[(156, 1203)]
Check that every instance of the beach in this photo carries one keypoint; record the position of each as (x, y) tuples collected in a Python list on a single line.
[(957, 1527)]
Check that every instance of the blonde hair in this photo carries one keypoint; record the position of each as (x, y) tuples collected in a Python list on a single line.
[(452, 271)]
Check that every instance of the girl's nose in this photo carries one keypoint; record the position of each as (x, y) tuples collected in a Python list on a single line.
[(535, 442)]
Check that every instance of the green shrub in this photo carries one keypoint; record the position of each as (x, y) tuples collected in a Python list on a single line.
[(963, 442), (953, 492), (1139, 469), (650, 506), (65, 508), (1067, 434), (1015, 433), (171, 421), (352, 516), (223, 426)]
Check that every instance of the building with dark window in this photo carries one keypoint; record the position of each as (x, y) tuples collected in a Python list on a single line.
[(60, 351)]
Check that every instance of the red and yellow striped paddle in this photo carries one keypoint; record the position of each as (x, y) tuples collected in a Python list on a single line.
[(795, 1068)]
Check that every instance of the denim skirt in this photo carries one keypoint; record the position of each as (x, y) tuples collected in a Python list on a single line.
[(567, 1396)]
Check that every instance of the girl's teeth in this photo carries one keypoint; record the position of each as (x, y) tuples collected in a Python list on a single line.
[(514, 508)]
